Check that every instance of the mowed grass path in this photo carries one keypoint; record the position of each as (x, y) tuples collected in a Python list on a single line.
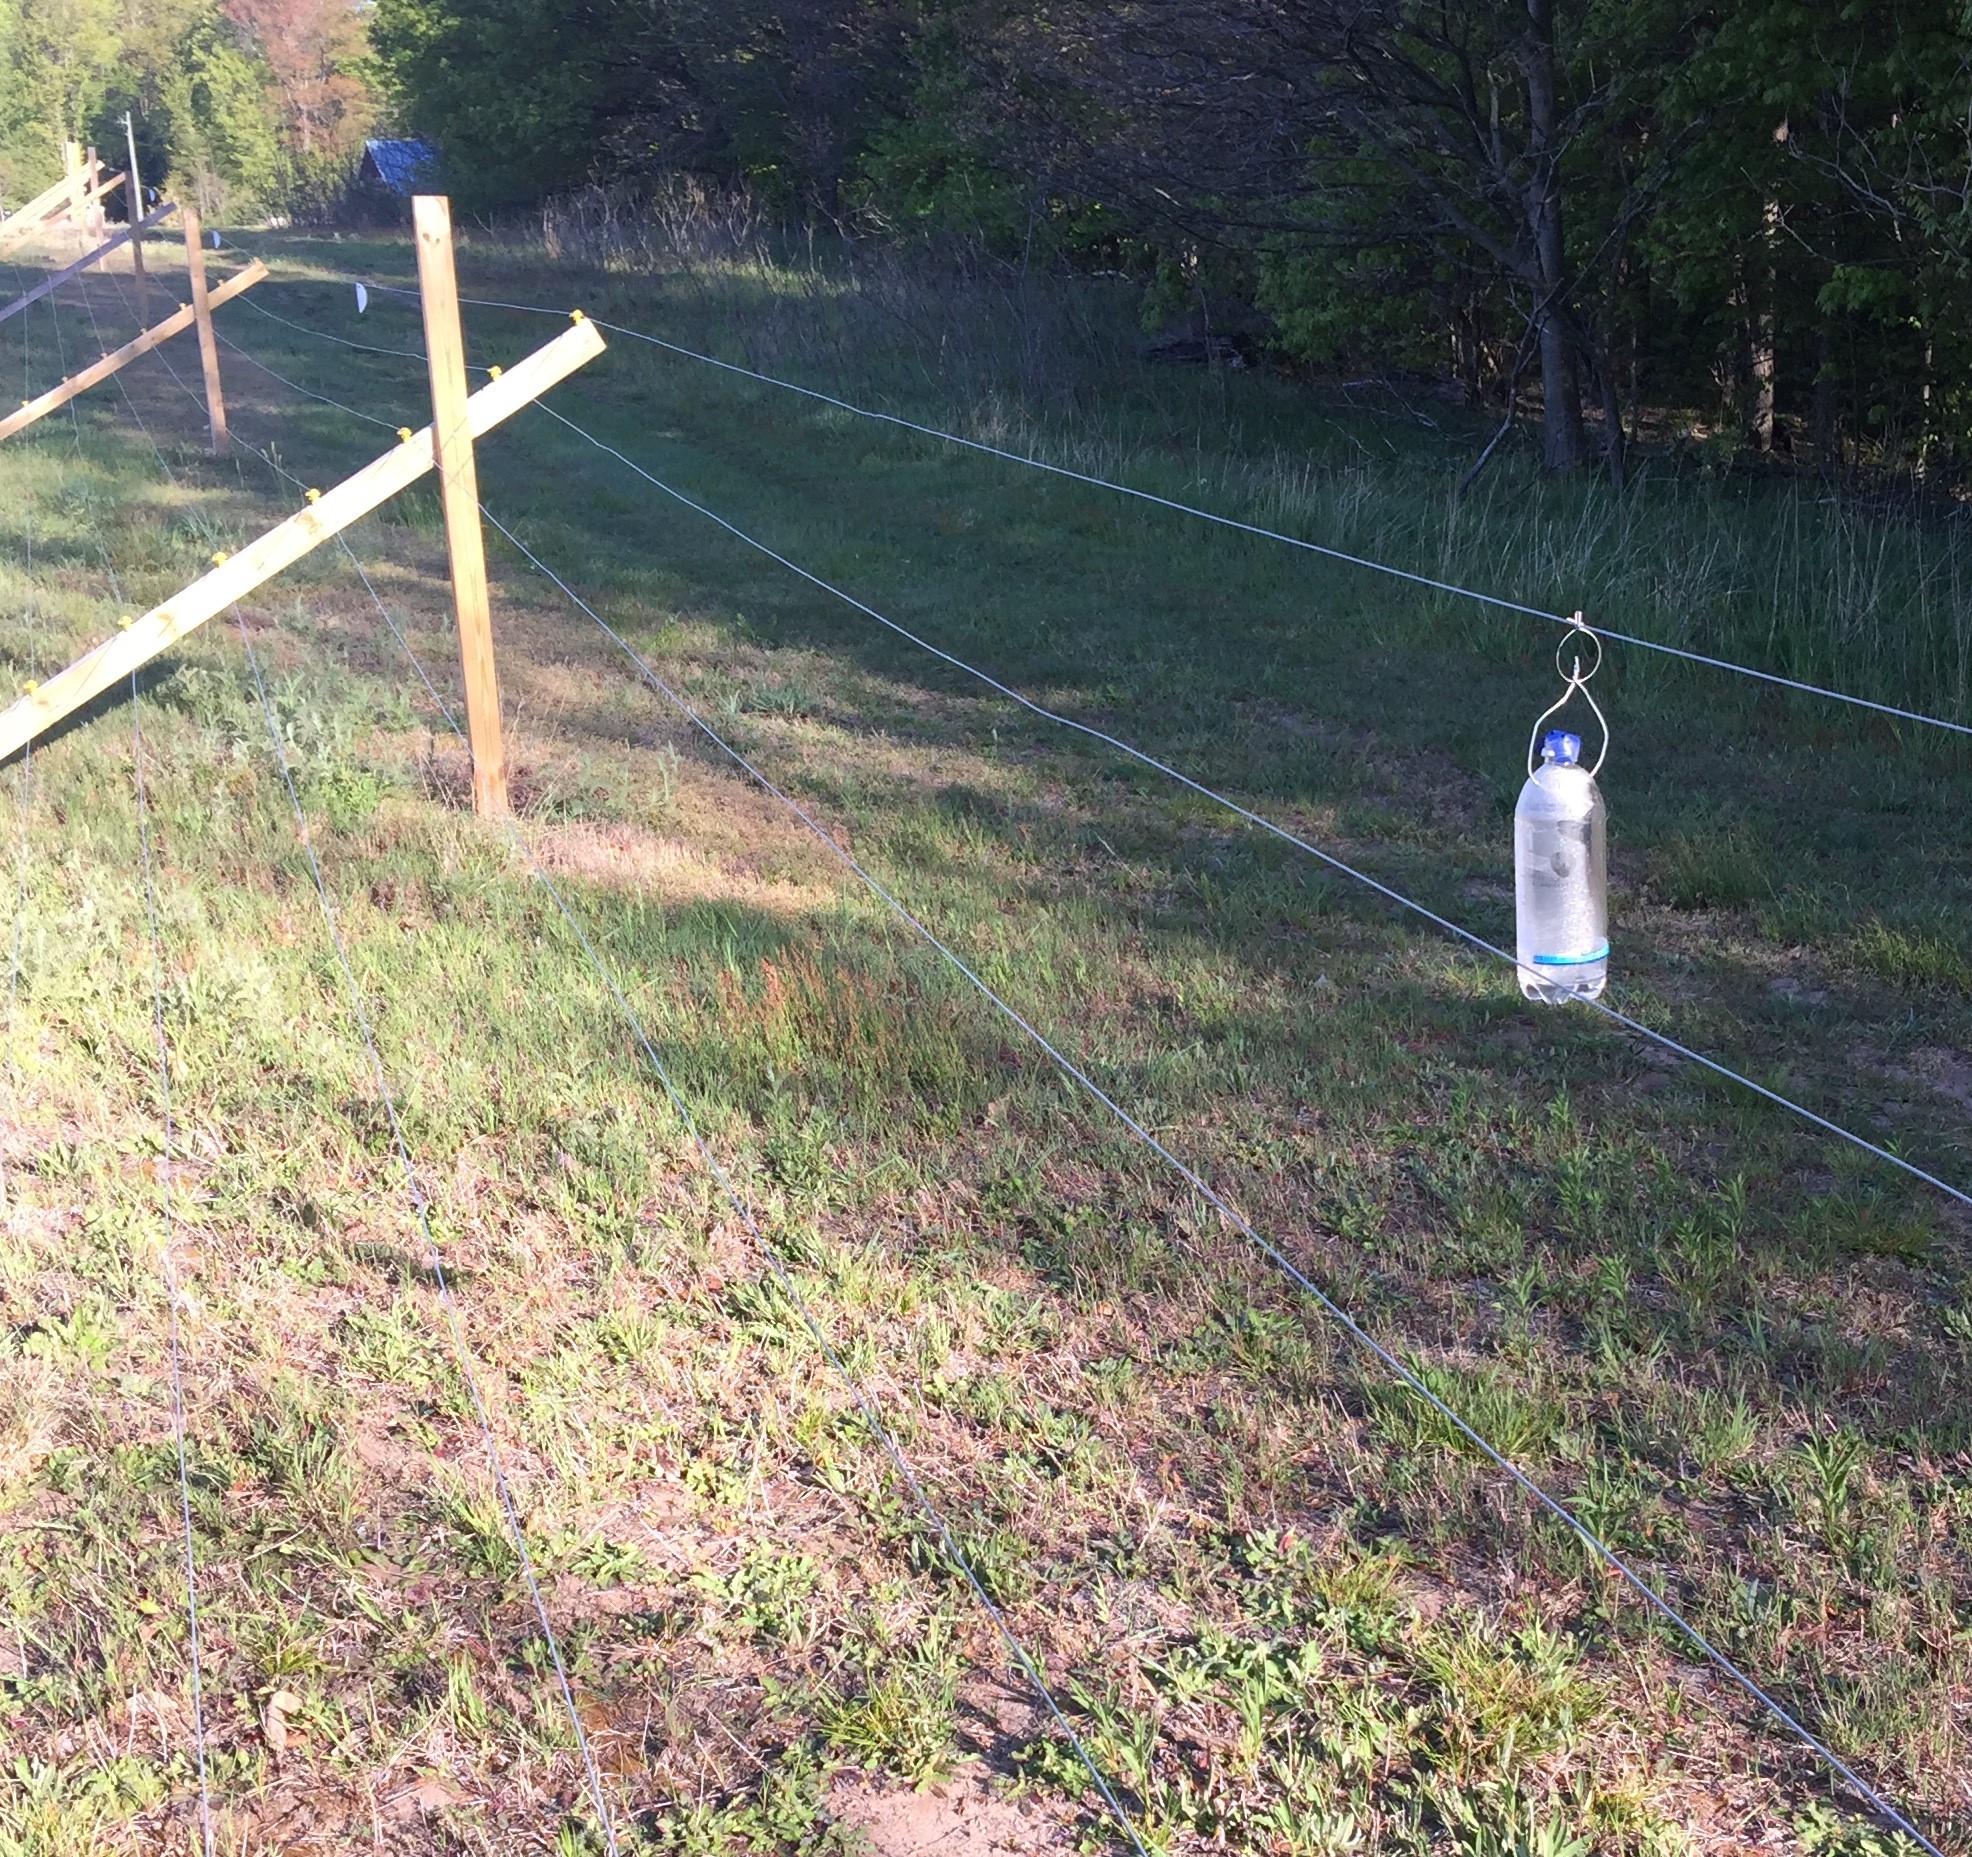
[(1282, 1605)]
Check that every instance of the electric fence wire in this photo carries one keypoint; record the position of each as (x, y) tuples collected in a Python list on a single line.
[(173, 1285), (24, 783), (1055, 717), (1469, 937), (1411, 1379), (867, 1409), (362, 348), (1215, 517), (509, 1508), (61, 361), (1238, 1220), (163, 360), (174, 1292), (441, 1278), (122, 385), (307, 393), (23, 792)]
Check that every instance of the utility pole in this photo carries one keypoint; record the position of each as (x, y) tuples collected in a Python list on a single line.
[(134, 194)]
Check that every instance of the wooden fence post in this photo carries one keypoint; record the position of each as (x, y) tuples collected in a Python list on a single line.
[(92, 176), (98, 371), (215, 399), (72, 170), (232, 577), (458, 477)]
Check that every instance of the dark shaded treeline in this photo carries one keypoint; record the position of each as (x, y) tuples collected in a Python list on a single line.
[(1755, 212)]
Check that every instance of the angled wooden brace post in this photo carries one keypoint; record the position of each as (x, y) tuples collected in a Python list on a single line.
[(235, 576), (100, 371), (56, 279), (18, 228)]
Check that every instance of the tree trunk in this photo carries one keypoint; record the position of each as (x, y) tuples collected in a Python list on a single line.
[(1824, 401), (1759, 396), (1615, 446), (1924, 409), (1561, 384), (1759, 336)]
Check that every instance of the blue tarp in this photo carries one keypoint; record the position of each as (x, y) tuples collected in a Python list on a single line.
[(401, 164)]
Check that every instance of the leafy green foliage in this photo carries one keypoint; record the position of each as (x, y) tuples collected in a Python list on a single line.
[(249, 106)]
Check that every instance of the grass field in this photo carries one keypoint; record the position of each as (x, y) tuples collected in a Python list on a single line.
[(1282, 1604)]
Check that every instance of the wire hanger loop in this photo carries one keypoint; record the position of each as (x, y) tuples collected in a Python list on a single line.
[(1568, 663)]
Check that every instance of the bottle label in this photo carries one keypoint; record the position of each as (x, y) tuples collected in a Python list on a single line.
[(1572, 960)]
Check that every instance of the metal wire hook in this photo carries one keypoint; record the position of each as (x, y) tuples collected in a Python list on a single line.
[(1576, 679)]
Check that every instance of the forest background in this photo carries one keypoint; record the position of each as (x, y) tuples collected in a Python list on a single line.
[(1750, 221)]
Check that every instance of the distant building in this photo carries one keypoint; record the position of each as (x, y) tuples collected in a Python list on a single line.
[(395, 165), (392, 169)]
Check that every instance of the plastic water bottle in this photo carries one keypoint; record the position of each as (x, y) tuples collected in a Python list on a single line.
[(1560, 877)]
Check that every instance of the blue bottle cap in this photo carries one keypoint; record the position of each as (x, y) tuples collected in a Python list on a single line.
[(1562, 748)]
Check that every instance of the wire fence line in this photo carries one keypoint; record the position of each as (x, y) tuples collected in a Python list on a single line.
[(1178, 506), (455, 1322), (1410, 1378), (307, 393), (441, 1278), (342, 341), (866, 1406), (122, 385), (1468, 937), (173, 1287), (23, 789), (168, 1263), (509, 1508)]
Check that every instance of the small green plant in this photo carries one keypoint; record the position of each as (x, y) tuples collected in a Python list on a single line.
[(348, 797), (1825, 1832), (1727, 1431), (464, 1706), (1830, 1464), (1486, 1398), (611, 1563), (87, 1334), (1000, 1561), (478, 1524), (1912, 957), (903, 1717), (770, 1593)]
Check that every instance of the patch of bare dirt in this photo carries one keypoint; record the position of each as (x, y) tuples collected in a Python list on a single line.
[(962, 1818), (1937, 1067)]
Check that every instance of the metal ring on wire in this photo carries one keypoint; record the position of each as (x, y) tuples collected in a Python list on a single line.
[(1575, 634), (1576, 679)]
